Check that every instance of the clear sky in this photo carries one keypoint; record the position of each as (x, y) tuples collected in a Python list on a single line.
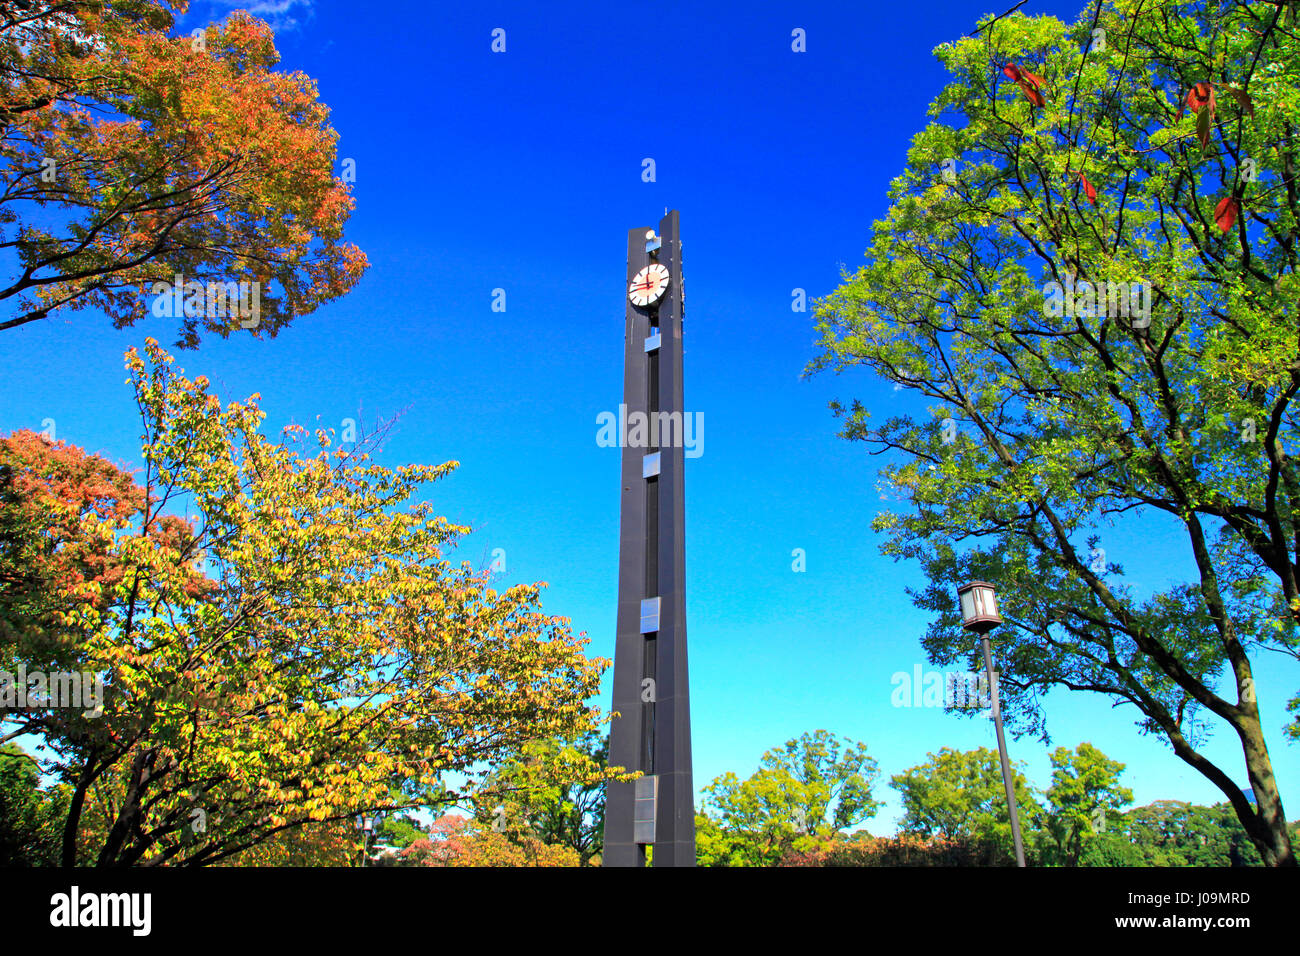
[(523, 171)]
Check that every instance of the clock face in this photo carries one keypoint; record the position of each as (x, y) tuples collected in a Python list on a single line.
[(648, 285)]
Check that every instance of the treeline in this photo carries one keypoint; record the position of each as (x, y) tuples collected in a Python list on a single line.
[(801, 807), (1166, 833), (806, 805)]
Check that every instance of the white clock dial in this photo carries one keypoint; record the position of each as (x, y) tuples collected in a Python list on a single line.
[(648, 285)]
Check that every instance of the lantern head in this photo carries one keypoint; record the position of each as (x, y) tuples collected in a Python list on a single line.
[(979, 607)]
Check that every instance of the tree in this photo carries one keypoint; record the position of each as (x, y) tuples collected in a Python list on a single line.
[(284, 656), (1085, 794), (440, 845), (316, 844), (1091, 271), (717, 847), (758, 820), (960, 796), (862, 849), (47, 490), (400, 831), (1111, 850), (814, 784), (1178, 833), (836, 773), (461, 841), (30, 817), (554, 792), (131, 157)]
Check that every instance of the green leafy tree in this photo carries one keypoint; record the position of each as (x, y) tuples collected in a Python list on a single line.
[(816, 784), (1178, 833), (553, 791), (1112, 850), (960, 796), (760, 818), (1089, 269), (31, 819), (399, 831), (1084, 794), (837, 775), (715, 846)]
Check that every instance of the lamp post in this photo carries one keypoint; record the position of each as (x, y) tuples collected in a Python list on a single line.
[(979, 613), (367, 827)]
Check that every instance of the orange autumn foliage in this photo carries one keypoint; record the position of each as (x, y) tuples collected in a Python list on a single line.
[(134, 156), (903, 850), (457, 841)]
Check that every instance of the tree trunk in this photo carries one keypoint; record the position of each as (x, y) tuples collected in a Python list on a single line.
[(1267, 827), (73, 821)]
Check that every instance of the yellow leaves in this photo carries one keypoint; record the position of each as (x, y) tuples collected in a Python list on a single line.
[(331, 577)]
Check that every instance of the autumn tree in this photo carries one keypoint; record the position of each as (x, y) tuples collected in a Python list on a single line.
[(130, 156), (281, 634), (439, 845), (46, 489), (862, 849), (328, 843), (460, 841), (1089, 269)]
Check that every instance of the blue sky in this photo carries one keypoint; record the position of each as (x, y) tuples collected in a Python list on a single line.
[(522, 171)]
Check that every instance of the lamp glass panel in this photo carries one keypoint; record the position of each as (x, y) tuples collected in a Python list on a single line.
[(967, 605)]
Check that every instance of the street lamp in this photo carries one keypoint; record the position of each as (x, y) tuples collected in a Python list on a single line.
[(367, 827), (979, 613)]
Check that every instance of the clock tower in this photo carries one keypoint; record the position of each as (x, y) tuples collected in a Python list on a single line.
[(652, 733)]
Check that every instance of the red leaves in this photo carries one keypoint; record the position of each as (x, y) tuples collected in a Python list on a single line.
[(1032, 79), (1089, 189), (1200, 100), (1029, 82), (1200, 95), (1225, 213)]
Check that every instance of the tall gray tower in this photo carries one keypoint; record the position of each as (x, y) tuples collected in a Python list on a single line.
[(651, 692)]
